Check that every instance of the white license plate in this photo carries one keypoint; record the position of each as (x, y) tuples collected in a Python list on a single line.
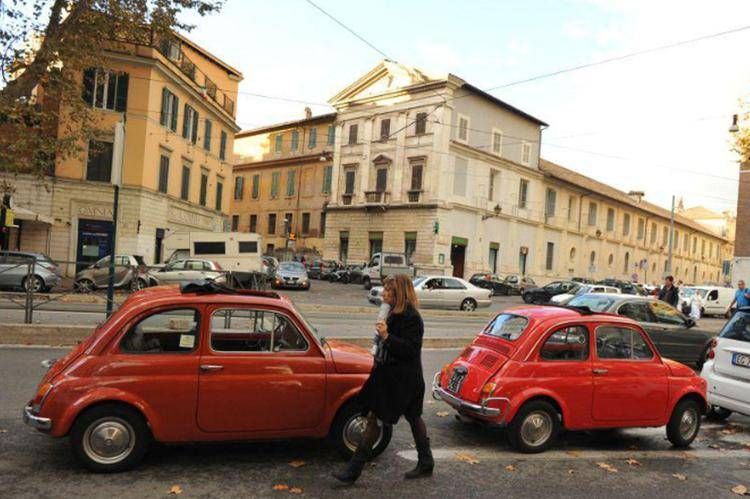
[(741, 359)]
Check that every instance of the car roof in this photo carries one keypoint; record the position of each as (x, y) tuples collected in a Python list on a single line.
[(173, 295), (556, 313)]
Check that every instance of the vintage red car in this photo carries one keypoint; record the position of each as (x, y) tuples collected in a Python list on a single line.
[(538, 369), (196, 367)]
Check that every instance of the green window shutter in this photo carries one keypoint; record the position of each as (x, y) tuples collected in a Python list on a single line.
[(256, 186), (186, 116), (290, 180), (194, 137), (223, 146), (164, 119), (327, 179), (175, 111), (207, 136), (275, 184), (121, 100), (331, 134), (313, 139)]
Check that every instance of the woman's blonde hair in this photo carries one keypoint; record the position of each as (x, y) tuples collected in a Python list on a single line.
[(403, 292)]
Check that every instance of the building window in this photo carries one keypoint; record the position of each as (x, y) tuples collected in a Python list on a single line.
[(493, 180), (312, 138), (239, 187), (420, 125), (664, 236), (275, 180), (653, 233), (550, 256), (185, 183), (676, 240), (235, 223), (549, 206), (272, 223), (219, 192), (376, 243), (190, 124), (610, 219), (322, 230), (685, 243), (410, 246), (497, 142), (256, 186), (592, 260), (626, 224), (343, 246), (385, 129), (170, 105), (571, 208), (610, 260), (291, 182), (417, 170), (494, 250), (525, 153), (523, 193), (592, 214), (626, 266), (641, 229), (99, 163), (253, 223), (331, 134), (463, 128), (204, 188), (223, 146), (703, 247), (327, 179), (288, 219), (353, 129), (207, 135), (295, 140), (460, 173), (305, 223), (163, 173), (278, 143), (381, 179), (105, 89), (349, 177)]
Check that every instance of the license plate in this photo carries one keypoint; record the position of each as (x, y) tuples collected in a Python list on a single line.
[(454, 384), (741, 359)]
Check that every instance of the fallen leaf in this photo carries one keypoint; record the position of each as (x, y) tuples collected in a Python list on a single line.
[(442, 414), (571, 472), (608, 467), (175, 490), (297, 463), (715, 446), (688, 455), (740, 490), (467, 458), (295, 490), (731, 429), (281, 486), (633, 462), (3, 430), (510, 467), (573, 453), (679, 476)]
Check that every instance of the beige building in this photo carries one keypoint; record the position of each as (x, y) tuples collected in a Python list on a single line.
[(177, 103)]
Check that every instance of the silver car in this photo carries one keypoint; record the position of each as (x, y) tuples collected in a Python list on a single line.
[(14, 271), (130, 272), (291, 275), (443, 292), (182, 271)]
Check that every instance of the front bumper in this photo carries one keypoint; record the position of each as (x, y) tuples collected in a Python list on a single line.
[(31, 419), (465, 407)]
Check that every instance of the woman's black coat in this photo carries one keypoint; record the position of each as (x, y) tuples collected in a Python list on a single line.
[(396, 386)]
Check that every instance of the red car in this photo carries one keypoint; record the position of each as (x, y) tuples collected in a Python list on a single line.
[(537, 370), (197, 367)]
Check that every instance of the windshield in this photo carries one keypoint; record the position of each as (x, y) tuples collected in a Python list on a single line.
[(738, 328), (596, 303), (293, 266), (582, 290), (507, 326), (418, 280)]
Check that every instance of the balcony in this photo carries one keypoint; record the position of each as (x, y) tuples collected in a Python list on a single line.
[(376, 197), (413, 196), (346, 198)]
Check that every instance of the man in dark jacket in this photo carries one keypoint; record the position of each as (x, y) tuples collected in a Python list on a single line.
[(669, 293)]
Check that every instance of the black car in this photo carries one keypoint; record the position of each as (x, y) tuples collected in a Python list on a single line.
[(321, 269), (628, 288), (545, 293), (351, 274), (510, 285)]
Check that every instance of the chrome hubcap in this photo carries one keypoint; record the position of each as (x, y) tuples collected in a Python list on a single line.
[(536, 428), (34, 285), (688, 423), (469, 305), (109, 440), (355, 428)]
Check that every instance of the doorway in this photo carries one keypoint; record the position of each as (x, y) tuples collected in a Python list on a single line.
[(158, 245), (522, 257), (458, 255), (94, 241)]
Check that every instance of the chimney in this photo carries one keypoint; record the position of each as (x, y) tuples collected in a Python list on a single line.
[(636, 196), (308, 113)]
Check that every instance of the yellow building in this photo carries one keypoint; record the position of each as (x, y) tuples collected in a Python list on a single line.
[(283, 177), (177, 103)]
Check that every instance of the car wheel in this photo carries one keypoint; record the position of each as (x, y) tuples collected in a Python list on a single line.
[(717, 413), (535, 427), (526, 298), (684, 424), (469, 305), (347, 429), (85, 286), (367, 284), (34, 283), (138, 284), (110, 438), (345, 280)]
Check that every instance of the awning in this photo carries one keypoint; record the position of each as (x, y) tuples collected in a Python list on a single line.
[(28, 215)]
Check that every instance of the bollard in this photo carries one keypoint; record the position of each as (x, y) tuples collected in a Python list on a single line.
[(29, 309)]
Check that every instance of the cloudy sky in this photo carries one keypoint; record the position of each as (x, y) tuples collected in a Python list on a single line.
[(656, 122)]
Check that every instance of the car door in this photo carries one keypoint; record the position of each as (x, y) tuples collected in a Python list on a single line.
[(124, 270), (430, 293), (454, 292), (629, 380), (711, 303), (260, 371), (172, 273), (678, 339), (193, 271), (640, 311)]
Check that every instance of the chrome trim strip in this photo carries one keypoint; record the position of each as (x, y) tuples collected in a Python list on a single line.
[(439, 393), (44, 424)]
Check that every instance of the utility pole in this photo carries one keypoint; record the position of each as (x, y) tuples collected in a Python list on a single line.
[(4, 230), (117, 154), (671, 238)]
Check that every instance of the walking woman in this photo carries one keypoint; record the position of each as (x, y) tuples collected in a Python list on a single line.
[(395, 387)]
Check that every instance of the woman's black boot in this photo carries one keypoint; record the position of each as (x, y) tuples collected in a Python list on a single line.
[(354, 468), (425, 462)]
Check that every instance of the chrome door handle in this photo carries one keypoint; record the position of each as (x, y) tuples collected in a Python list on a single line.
[(211, 367), (600, 371)]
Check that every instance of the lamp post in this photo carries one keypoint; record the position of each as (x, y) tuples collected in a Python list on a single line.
[(117, 154)]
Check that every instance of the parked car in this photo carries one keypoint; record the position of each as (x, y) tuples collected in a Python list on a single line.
[(290, 275), (196, 367), (675, 335), (130, 273), (545, 293), (322, 269), (715, 300), (628, 288), (382, 265), (510, 285), (14, 271), (182, 271), (537, 370), (519, 284), (583, 280), (349, 274), (727, 369), (443, 292), (564, 298)]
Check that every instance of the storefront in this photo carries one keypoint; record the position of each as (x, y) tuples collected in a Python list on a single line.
[(94, 241)]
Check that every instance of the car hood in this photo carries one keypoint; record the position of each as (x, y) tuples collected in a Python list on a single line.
[(348, 358)]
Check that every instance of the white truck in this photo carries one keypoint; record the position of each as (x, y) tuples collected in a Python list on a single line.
[(233, 251), (382, 265)]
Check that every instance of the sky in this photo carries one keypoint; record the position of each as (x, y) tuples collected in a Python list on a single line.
[(656, 123)]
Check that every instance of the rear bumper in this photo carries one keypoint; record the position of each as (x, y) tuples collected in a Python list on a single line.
[(466, 407), (31, 419), (727, 392)]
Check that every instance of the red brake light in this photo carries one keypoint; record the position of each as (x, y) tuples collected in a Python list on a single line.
[(711, 346), (217, 266)]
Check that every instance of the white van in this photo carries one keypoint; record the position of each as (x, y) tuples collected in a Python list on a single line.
[(233, 251), (381, 265), (716, 300)]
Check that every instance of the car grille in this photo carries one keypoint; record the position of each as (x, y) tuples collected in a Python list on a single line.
[(488, 362)]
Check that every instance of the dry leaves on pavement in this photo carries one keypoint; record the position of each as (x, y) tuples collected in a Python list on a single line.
[(608, 467), (281, 486), (510, 467), (175, 490), (740, 490), (679, 476), (633, 462), (295, 490), (715, 446), (731, 429), (297, 463), (442, 414), (573, 453), (467, 458)]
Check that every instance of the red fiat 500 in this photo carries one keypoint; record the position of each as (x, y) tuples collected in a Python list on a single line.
[(539, 369), (186, 367)]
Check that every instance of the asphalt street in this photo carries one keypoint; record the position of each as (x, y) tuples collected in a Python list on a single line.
[(34, 465)]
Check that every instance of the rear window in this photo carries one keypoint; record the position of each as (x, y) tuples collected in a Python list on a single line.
[(594, 303), (738, 328), (507, 326), (394, 259)]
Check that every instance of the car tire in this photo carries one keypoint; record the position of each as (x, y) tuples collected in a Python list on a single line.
[(85, 286), (34, 283), (366, 283), (537, 416), (684, 423), (718, 414), (138, 284), (119, 422), (526, 298), (348, 421), (469, 305), (345, 280)]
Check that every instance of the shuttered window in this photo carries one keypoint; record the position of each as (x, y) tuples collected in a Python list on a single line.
[(163, 173), (170, 105), (185, 184)]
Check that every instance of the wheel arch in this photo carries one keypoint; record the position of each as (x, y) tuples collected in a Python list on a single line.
[(695, 396), (74, 411), (524, 399)]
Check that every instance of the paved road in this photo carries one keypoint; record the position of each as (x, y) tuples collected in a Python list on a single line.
[(33, 465)]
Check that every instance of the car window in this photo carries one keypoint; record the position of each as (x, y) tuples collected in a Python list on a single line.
[(194, 265), (614, 342), (666, 314), (568, 343), (713, 295), (170, 331), (737, 328), (528, 280), (593, 302), (638, 311), (434, 284), (375, 261), (248, 330), (122, 261), (453, 284), (512, 279), (552, 286), (178, 265), (507, 326)]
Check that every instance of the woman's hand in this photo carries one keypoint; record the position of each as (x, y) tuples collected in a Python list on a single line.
[(382, 328)]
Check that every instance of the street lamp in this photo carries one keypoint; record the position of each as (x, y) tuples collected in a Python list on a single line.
[(734, 128)]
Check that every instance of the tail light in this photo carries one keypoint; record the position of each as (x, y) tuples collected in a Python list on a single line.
[(711, 346), (217, 266), (487, 390)]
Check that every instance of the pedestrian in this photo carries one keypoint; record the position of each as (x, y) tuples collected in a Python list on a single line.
[(741, 296), (696, 306), (669, 293), (395, 387)]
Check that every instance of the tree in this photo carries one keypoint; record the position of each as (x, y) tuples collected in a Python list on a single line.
[(742, 137), (45, 46)]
